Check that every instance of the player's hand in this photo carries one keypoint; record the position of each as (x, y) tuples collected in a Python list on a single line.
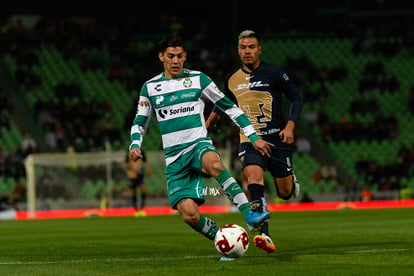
[(286, 135), (135, 154), (263, 147)]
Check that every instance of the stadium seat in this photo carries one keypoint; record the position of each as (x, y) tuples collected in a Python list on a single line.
[(324, 53)]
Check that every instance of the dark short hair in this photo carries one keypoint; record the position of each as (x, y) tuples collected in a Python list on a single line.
[(249, 33), (170, 41)]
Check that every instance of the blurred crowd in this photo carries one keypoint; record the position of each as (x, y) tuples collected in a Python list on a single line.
[(69, 121)]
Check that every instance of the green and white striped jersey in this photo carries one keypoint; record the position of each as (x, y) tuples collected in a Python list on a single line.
[(178, 105)]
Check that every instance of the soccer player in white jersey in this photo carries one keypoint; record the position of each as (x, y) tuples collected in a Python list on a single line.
[(176, 98)]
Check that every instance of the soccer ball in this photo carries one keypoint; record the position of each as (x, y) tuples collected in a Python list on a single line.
[(231, 241)]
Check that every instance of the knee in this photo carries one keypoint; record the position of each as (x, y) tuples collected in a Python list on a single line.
[(217, 166), (214, 168), (284, 194)]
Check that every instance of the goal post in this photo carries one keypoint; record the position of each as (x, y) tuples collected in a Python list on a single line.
[(70, 161)]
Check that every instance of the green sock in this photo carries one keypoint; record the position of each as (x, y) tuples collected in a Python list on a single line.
[(207, 227), (233, 191)]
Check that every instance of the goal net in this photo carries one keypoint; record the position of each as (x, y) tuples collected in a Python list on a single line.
[(59, 181)]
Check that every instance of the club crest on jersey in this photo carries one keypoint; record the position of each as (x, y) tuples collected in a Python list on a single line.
[(187, 82)]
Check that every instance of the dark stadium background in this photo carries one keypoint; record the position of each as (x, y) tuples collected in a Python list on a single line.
[(286, 15), (288, 23)]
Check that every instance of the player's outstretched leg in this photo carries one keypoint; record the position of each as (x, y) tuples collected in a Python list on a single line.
[(206, 227), (235, 193)]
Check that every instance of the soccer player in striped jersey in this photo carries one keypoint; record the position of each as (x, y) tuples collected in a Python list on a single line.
[(176, 98), (258, 87)]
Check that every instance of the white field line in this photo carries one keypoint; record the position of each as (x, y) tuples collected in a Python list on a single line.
[(172, 258), (381, 250), (104, 260)]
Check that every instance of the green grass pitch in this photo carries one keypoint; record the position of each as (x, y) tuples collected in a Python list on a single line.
[(342, 242)]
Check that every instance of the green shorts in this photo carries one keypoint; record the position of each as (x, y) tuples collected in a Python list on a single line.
[(184, 176)]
